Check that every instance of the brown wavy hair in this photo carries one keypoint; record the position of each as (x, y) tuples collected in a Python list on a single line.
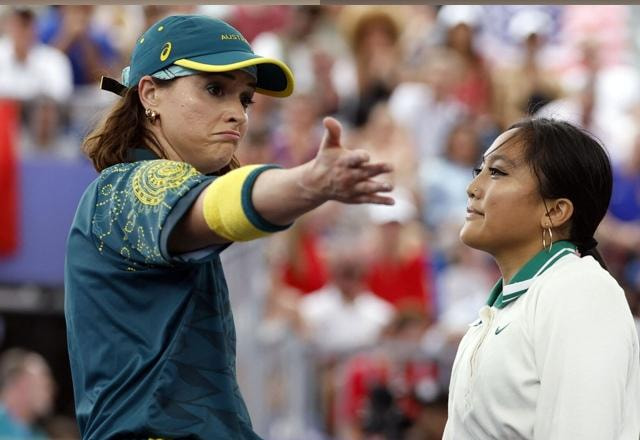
[(125, 127)]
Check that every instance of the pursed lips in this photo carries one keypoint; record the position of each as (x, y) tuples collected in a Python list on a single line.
[(229, 133)]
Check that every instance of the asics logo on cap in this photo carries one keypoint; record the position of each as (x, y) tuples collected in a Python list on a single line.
[(166, 50)]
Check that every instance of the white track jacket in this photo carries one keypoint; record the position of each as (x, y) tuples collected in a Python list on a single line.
[(553, 356)]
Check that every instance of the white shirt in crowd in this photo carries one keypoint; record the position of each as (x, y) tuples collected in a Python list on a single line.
[(45, 72), (554, 358), (339, 326)]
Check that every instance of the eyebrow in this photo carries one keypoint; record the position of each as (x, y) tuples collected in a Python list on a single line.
[(231, 77), (497, 157)]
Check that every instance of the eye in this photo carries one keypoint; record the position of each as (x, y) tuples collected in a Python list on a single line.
[(247, 100), (492, 171), (215, 89), (496, 172)]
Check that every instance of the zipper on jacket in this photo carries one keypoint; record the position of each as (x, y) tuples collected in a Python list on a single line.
[(486, 315)]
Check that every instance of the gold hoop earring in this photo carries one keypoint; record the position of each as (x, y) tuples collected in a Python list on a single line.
[(151, 115), (544, 242)]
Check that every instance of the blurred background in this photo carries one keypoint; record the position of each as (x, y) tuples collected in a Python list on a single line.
[(348, 322)]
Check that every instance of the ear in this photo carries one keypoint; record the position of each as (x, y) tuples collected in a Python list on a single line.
[(559, 213), (148, 92)]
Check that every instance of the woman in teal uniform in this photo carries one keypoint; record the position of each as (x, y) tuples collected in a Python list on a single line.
[(150, 331)]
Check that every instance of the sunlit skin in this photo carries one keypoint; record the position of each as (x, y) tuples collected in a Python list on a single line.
[(201, 118), (505, 212)]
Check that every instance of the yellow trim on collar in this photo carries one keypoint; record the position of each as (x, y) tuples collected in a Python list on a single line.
[(201, 67)]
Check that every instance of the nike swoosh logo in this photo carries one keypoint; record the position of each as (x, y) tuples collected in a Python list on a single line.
[(499, 329)]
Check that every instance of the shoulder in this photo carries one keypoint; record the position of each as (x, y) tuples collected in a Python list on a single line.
[(148, 180), (374, 308), (44, 54), (370, 301), (320, 303), (325, 296), (579, 285), (575, 273)]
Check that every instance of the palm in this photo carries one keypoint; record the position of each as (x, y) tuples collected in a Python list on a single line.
[(345, 175)]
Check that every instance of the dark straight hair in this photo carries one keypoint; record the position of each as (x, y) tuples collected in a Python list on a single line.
[(570, 163)]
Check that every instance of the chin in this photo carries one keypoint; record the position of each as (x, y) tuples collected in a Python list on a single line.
[(470, 239), (214, 165)]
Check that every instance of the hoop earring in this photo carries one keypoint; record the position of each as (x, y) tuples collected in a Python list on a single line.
[(544, 243), (151, 115)]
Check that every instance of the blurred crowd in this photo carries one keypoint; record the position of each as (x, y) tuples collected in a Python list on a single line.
[(349, 321)]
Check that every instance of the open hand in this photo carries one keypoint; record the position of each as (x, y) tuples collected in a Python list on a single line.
[(337, 173)]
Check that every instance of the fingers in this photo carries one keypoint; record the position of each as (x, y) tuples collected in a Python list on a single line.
[(359, 159), (368, 187), (373, 198), (374, 169), (332, 133), (356, 158)]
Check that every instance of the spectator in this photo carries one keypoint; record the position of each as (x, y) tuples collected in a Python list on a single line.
[(382, 391), (26, 394), (90, 50), (522, 90), (344, 316), (461, 24), (45, 133), (303, 267), (399, 265), (620, 229), (373, 34), (40, 78), (427, 108), (601, 98), (298, 137), (385, 139), (253, 20), (28, 69), (443, 183), (312, 46)]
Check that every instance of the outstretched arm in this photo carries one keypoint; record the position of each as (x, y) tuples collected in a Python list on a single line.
[(280, 196)]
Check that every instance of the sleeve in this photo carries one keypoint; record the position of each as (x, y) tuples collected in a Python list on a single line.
[(228, 208), (139, 204), (583, 350)]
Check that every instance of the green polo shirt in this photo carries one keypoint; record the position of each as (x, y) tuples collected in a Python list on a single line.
[(151, 337)]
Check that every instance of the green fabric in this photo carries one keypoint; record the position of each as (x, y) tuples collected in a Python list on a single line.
[(501, 296), (254, 216), (150, 335)]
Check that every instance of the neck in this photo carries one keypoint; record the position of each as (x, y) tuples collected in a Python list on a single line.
[(509, 262), (167, 150), (349, 294)]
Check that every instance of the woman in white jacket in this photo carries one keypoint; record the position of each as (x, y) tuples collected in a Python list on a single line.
[(554, 353)]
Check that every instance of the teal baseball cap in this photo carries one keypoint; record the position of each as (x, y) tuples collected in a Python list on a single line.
[(200, 44)]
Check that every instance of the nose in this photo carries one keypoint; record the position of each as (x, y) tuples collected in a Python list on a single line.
[(473, 189), (236, 113)]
